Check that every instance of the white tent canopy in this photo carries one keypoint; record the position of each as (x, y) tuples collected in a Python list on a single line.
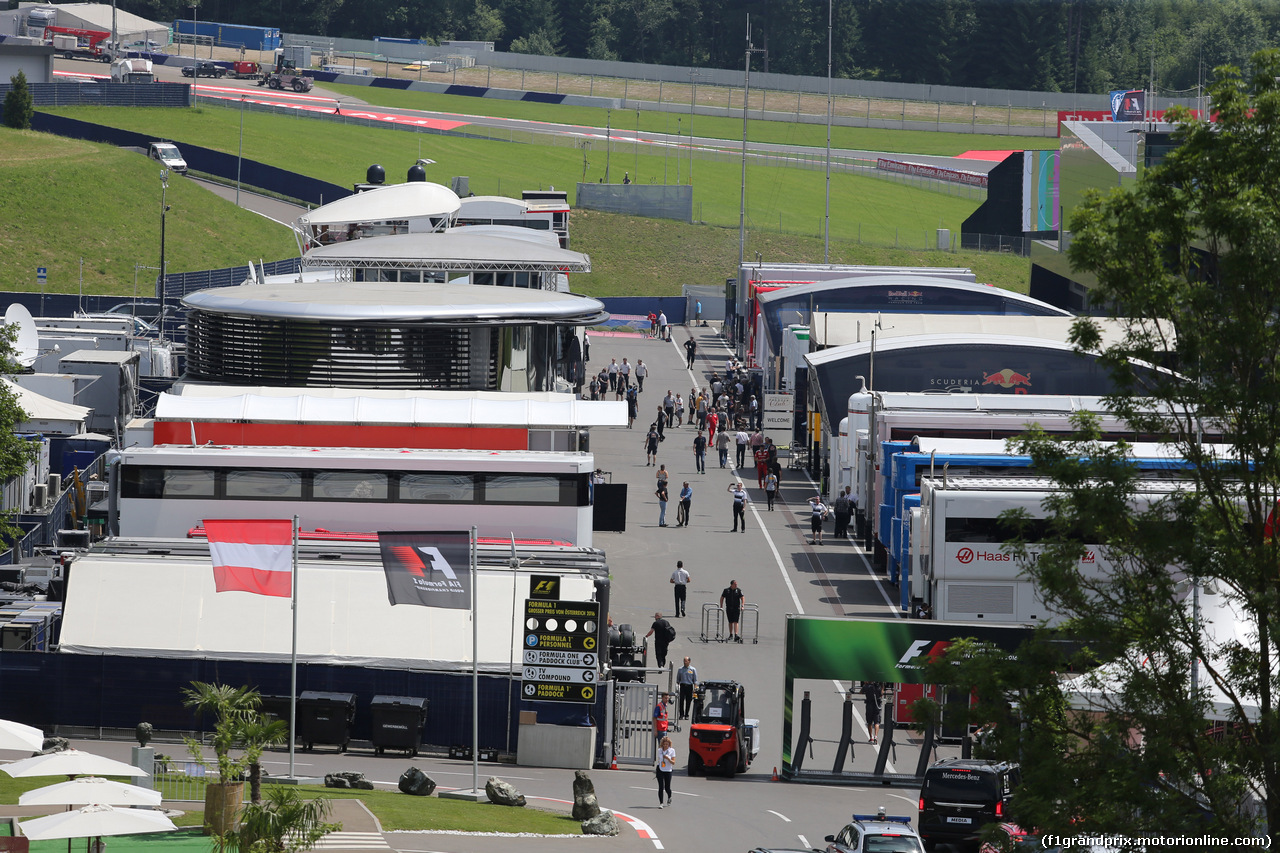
[(1222, 625), (46, 415)]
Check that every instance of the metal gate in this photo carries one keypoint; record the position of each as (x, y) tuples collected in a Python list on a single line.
[(633, 704)]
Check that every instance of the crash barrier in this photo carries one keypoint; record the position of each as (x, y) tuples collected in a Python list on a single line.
[(886, 748)]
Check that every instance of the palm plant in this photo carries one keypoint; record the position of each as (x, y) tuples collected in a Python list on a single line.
[(230, 707), (255, 734), (282, 823)]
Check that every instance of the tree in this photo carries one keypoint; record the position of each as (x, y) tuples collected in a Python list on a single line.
[(17, 103), (16, 452), (538, 42), (1184, 736), (485, 24), (282, 823)]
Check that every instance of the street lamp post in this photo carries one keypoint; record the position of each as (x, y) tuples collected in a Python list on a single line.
[(746, 101), (164, 208)]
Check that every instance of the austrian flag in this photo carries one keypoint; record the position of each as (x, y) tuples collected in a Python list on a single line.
[(253, 555)]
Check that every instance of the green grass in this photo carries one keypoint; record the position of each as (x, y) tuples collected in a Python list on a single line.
[(394, 810), (789, 133), (873, 221), (65, 200)]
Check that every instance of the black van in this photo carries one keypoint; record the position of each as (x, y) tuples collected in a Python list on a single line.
[(960, 796)]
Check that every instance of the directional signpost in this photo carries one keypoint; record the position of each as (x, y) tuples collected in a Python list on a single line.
[(561, 661)]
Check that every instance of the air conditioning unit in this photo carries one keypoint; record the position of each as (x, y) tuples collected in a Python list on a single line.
[(40, 495), (55, 486)]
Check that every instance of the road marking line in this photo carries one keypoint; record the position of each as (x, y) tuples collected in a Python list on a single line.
[(804, 842), (779, 814)]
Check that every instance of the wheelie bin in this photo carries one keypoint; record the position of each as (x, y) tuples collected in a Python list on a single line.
[(397, 723), (325, 718)]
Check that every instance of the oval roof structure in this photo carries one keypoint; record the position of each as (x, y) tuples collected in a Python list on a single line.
[(458, 304), (456, 250), (398, 201)]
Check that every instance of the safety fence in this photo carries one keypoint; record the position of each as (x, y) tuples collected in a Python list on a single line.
[(104, 93)]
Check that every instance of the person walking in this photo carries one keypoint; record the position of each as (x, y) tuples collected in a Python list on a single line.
[(713, 421), (663, 633), (661, 475), (743, 440), (703, 406), (761, 454), (700, 452), (613, 374), (874, 693), (722, 447), (593, 387), (632, 406), (697, 312), (843, 508), (661, 723), (679, 411), (732, 599), (680, 577), (669, 407), (651, 446), (682, 514), (624, 373), (666, 766), (660, 422), (818, 515), (690, 352), (687, 678), (662, 503), (753, 412), (642, 370), (770, 488), (739, 505)]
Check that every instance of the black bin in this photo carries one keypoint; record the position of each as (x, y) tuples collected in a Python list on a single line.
[(397, 722), (325, 718), (275, 708)]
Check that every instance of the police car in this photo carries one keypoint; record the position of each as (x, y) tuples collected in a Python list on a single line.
[(877, 833)]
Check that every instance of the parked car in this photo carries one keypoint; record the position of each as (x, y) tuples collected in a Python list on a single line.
[(960, 796), (878, 833), (203, 68)]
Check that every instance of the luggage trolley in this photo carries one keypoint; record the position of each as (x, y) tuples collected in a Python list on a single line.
[(753, 611), (713, 623)]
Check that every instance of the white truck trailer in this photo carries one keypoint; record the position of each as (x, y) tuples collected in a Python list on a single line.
[(132, 71)]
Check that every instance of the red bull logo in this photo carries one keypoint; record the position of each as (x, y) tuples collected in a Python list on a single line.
[(1007, 378)]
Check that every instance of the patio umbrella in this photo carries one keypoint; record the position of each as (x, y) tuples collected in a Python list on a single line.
[(70, 762), (87, 790), (94, 822), (16, 736)]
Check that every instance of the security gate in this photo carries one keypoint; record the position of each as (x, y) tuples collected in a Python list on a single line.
[(633, 704)]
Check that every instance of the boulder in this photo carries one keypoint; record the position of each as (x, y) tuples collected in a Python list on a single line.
[(605, 823), (347, 779), (414, 781), (585, 806), (503, 793), (55, 744)]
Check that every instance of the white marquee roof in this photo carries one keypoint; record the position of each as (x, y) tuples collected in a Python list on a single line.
[(398, 201)]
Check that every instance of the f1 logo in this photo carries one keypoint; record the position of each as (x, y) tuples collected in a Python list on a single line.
[(544, 587), (915, 649), (437, 561)]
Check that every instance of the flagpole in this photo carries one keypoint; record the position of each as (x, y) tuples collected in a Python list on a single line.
[(293, 656), (475, 675)]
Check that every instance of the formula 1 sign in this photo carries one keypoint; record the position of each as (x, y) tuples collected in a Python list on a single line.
[(561, 662)]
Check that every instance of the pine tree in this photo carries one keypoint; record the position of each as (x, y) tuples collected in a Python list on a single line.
[(17, 103)]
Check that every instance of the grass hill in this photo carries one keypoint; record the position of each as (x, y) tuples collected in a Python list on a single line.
[(114, 203)]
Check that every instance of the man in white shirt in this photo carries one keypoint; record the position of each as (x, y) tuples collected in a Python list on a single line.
[(642, 370), (624, 374), (663, 329), (739, 506), (680, 577), (613, 374), (743, 439)]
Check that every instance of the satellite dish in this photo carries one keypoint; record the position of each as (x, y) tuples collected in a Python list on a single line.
[(27, 346)]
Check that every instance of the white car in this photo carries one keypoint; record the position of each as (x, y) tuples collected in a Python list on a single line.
[(169, 156), (878, 833)]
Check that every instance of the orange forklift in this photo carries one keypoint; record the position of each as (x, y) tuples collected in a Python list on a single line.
[(721, 738)]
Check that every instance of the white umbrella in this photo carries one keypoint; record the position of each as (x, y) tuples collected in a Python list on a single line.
[(94, 822), (87, 790), (70, 762), (16, 736)]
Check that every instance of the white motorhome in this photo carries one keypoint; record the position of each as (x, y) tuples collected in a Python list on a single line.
[(959, 567), (132, 71)]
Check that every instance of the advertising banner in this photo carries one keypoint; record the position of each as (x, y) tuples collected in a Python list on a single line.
[(889, 650), (1128, 105), (432, 569)]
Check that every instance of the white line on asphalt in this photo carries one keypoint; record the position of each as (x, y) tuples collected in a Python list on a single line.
[(804, 842), (779, 814), (786, 578), (673, 793), (911, 800)]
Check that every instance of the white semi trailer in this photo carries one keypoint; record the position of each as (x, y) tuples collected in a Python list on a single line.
[(132, 71)]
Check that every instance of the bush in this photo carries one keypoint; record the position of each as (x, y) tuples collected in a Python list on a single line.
[(17, 103)]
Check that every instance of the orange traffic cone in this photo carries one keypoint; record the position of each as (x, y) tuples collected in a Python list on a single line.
[(614, 766), (775, 773)]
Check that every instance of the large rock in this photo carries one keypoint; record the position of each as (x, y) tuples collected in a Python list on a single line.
[(414, 781), (605, 823), (585, 806), (503, 793), (347, 779), (55, 744)]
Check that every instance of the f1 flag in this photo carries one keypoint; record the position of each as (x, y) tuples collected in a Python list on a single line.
[(430, 569), (253, 555)]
